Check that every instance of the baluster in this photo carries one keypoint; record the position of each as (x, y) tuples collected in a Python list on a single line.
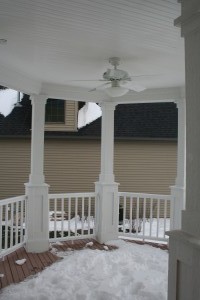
[(6, 226), (82, 215), (137, 214), (17, 223), (131, 214), (151, 215), (124, 213), (144, 216), (11, 225), (69, 216), (165, 216), (55, 217), (89, 212), (62, 217), (158, 217), (1, 238), (76, 215)]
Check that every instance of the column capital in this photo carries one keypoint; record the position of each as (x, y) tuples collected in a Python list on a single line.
[(38, 98), (190, 16), (108, 105), (180, 102)]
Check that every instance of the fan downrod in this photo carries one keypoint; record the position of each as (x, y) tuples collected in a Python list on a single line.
[(114, 61)]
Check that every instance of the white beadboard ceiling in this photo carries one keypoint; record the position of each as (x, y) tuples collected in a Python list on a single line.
[(50, 42)]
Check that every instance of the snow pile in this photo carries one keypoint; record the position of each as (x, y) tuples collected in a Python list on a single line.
[(90, 244), (20, 262), (130, 272)]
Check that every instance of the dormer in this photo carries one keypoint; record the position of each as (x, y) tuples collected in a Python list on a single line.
[(61, 115)]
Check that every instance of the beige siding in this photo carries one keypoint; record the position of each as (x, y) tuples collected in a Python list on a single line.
[(73, 165), (148, 167), (14, 166), (71, 111)]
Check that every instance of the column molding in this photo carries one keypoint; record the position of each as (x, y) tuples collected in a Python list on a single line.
[(37, 139), (107, 142), (184, 249), (37, 208), (107, 203), (178, 190)]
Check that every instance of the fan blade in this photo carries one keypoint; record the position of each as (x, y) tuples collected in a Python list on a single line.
[(100, 87), (147, 75), (87, 80)]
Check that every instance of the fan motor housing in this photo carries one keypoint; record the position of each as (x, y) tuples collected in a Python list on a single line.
[(116, 74)]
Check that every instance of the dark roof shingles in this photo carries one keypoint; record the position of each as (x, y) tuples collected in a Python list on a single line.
[(144, 120)]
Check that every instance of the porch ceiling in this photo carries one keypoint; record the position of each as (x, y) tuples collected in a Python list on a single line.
[(50, 42)]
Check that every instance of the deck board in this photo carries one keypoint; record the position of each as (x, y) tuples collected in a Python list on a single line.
[(36, 262)]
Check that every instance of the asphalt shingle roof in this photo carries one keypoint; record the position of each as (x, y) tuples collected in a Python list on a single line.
[(139, 121)]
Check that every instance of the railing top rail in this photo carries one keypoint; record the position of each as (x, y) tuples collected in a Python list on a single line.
[(12, 200), (72, 195), (145, 195)]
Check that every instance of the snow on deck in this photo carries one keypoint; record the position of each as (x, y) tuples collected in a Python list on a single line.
[(130, 272)]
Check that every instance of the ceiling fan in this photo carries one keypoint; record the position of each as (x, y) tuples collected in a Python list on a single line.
[(118, 82)]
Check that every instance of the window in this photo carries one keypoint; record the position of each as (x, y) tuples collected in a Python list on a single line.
[(55, 111), (61, 115)]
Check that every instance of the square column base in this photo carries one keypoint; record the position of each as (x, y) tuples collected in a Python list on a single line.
[(178, 204), (184, 266), (37, 218), (107, 211)]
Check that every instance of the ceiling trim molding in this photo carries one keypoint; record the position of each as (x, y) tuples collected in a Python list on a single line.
[(171, 94), (21, 82), (73, 93), (17, 81)]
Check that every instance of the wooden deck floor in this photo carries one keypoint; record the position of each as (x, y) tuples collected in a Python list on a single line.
[(36, 262)]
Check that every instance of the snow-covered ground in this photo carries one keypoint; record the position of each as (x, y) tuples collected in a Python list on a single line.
[(152, 229), (132, 272)]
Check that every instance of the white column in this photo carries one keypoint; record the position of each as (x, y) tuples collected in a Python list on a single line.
[(184, 254), (37, 217), (107, 206), (178, 191)]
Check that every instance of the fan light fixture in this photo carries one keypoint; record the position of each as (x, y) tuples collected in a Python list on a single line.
[(116, 91)]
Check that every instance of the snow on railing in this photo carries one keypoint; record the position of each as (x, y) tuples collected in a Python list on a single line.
[(12, 224), (71, 216), (144, 216)]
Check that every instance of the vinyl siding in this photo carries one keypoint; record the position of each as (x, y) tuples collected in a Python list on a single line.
[(74, 165), (14, 166)]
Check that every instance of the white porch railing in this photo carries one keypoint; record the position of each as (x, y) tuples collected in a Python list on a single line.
[(12, 224), (71, 216), (144, 216)]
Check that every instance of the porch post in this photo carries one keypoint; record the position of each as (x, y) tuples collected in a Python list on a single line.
[(178, 191), (37, 218), (107, 204), (184, 254)]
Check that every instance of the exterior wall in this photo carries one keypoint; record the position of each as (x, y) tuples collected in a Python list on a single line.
[(14, 166), (74, 165), (145, 166), (71, 115)]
